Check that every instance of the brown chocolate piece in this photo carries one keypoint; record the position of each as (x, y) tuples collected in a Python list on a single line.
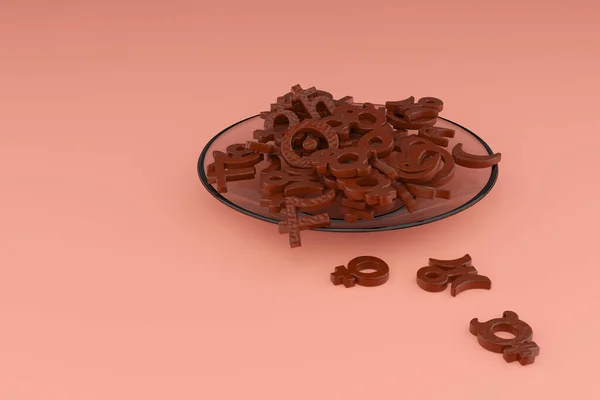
[(281, 120), (406, 197), (292, 184), (294, 224), (309, 204), (343, 163), (354, 204), (520, 348), (306, 127), (354, 275), (419, 150), (238, 150), (307, 222), (432, 102), (406, 114), (353, 215), (437, 135), (315, 106), (380, 140), (413, 166), (350, 119), (373, 189), (393, 105), (468, 160), (427, 192), (385, 168), (228, 168), (274, 201), (352, 142), (265, 136), (274, 164), (460, 272), (263, 148)]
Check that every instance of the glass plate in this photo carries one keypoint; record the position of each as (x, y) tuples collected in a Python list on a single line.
[(468, 185)]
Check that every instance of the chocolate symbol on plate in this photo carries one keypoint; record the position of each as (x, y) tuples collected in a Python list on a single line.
[(318, 106), (354, 273), (350, 119), (292, 184), (406, 114), (439, 273), (437, 135), (373, 189), (305, 130), (294, 224), (237, 166), (520, 348), (468, 160), (343, 163)]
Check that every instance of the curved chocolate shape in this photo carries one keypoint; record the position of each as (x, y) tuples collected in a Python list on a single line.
[(373, 189), (406, 197), (310, 104), (385, 169), (406, 114), (464, 261), (264, 148), (468, 160), (342, 163), (393, 105), (459, 272), (412, 167), (419, 145), (272, 121), (274, 164), (350, 162), (239, 150), (427, 192), (380, 140), (468, 282), (520, 348), (437, 135), (432, 102), (303, 128), (354, 275), (278, 181)]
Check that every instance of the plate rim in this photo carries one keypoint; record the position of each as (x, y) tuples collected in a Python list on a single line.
[(478, 197)]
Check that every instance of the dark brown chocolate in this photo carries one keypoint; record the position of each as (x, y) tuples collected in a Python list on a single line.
[(353, 273), (343, 163), (459, 272), (373, 189), (437, 135), (294, 224), (520, 348), (468, 160), (229, 168), (306, 127)]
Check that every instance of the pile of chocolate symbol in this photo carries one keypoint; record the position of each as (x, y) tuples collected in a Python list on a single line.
[(331, 158)]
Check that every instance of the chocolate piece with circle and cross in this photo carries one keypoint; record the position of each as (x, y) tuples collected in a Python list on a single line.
[(519, 348), (355, 273)]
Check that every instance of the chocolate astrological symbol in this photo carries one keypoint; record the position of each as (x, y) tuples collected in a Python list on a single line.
[(355, 273), (459, 272), (519, 348)]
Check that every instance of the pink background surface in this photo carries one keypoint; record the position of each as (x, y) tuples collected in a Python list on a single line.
[(118, 275)]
